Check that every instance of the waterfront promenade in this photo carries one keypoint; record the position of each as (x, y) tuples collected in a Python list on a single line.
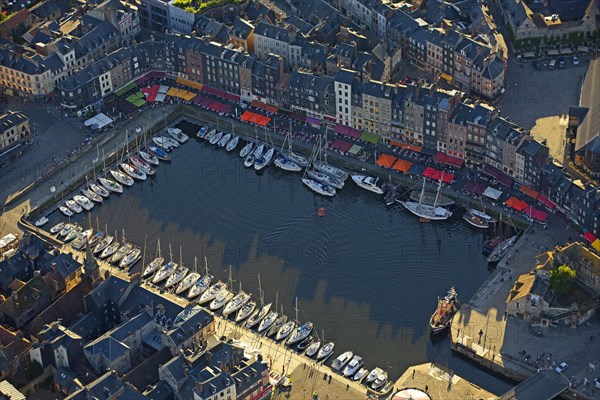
[(481, 331), (311, 378)]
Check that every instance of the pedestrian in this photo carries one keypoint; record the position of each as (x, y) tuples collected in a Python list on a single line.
[(426, 388), (413, 376)]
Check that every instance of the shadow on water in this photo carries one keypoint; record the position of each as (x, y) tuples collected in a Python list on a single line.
[(366, 274)]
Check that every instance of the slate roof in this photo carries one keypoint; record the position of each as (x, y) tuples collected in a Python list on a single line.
[(67, 379), (345, 76), (241, 28), (107, 346), (272, 31), (101, 389), (589, 128)]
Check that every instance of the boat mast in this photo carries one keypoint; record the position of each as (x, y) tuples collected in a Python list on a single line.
[(195, 264), (437, 195), (206, 266), (158, 248), (170, 253), (296, 309), (144, 256), (422, 193), (260, 292)]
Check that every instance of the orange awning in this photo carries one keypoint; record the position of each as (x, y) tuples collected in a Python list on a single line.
[(402, 165), (529, 192), (386, 160), (398, 144), (189, 83)]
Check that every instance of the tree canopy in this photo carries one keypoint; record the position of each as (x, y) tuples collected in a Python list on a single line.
[(561, 279)]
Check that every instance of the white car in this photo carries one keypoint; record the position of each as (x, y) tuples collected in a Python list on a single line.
[(562, 367), (575, 60)]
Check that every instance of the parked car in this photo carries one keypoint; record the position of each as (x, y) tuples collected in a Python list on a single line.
[(562, 367), (561, 62), (538, 65), (552, 63), (575, 60)]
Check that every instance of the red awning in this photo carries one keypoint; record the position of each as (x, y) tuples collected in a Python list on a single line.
[(437, 175), (341, 145), (491, 171), (546, 201), (505, 180), (536, 214), (341, 129), (448, 160), (529, 192), (474, 187), (589, 237), (260, 104)]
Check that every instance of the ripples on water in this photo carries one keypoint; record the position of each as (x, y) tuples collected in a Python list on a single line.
[(366, 274)]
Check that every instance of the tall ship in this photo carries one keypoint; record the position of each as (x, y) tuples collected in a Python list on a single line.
[(446, 308), (428, 212)]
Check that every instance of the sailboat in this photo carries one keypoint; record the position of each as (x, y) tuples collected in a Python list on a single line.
[(286, 164), (223, 297), (264, 160), (232, 144), (121, 177), (427, 212), (141, 165), (179, 274), (154, 264), (258, 315), (212, 292), (251, 158), (110, 249), (446, 307), (279, 322), (224, 140), (103, 243), (313, 349), (131, 258), (475, 220), (87, 192), (111, 185), (326, 351), (159, 152), (323, 166), (479, 219), (237, 302), (301, 332), (246, 150), (189, 280), (245, 311), (149, 158), (166, 270), (216, 137), (289, 153), (202, 284), (132, 171)]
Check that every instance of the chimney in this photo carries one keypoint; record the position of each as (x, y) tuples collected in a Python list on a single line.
[(186, 371), (199, 387), (53, 266)]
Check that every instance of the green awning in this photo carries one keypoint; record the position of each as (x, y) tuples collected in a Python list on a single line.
[(369, 138), (355, 149), (125, 89), (139, 102)]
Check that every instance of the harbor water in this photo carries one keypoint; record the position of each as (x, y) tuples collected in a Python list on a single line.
[(366, 274)]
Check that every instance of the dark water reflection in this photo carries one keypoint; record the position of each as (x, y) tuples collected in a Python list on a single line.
[(365, 274)]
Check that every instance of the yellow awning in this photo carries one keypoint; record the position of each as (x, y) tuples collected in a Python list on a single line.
[(446, 77), (596, 244)]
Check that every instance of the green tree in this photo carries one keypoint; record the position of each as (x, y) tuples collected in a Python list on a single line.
[(2, 16), (561, 279), (33, 370)]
